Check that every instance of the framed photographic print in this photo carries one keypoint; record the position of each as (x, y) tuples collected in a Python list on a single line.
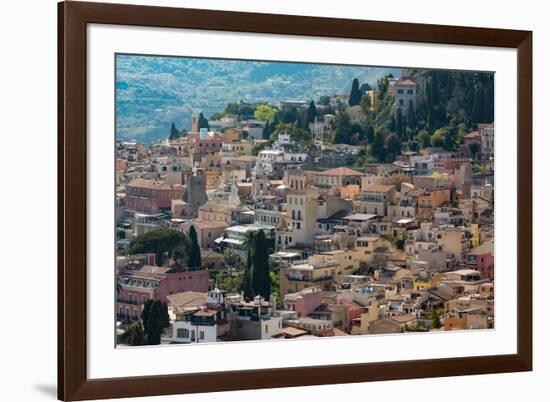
[(253, 201)]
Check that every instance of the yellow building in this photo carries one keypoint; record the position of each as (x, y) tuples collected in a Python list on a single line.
[(307, 274), (232, 134), (348, 260), (366, 245), (360, 326), (474, 231), (420, 284)]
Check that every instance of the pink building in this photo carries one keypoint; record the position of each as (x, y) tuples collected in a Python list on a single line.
[(303, 302), (483, 258), (137, 285), (151, 197), (199, 147)]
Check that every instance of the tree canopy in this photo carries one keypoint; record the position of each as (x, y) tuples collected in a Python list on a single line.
[(134, 335), (265, 112), (301, 136), (162, 242)]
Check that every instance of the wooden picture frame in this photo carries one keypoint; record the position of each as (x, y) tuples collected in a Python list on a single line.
[(73, 18)]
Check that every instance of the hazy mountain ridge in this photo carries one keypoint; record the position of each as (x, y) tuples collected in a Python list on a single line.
[(153, 92)]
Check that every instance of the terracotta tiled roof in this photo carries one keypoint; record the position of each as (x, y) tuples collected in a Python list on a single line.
[(341, 171), (187, 299), (291, 331), (403, 318), (407, 82), (155, 185)]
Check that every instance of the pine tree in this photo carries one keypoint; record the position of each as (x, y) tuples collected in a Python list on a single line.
[(355, 94), (194, 260)]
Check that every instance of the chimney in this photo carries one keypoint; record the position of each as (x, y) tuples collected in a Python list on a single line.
[(194, 125)]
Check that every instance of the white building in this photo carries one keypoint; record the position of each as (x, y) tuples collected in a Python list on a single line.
[(404, 92), (257, 320), (423, 165), (205, 324), (283, 152)]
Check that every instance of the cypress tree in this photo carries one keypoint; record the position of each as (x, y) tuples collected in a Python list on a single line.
[(411, 117), (478, 106), (399, 123), (203, 122), (145, 313), (342, 131), (174, 133), (394, 145), (155, 321), (194, 260), (165, 315), (261, 281), (378, 148), (247, 288), (266, 133), (311, 113), (274, 124), (370, 134), (355, 94)]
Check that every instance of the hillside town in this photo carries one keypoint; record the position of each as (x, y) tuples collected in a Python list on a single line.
[(352, 214)]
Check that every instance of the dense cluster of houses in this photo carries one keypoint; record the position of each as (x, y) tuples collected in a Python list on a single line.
[(385, 248)]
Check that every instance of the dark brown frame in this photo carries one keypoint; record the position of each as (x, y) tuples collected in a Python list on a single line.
[(73, 383)]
